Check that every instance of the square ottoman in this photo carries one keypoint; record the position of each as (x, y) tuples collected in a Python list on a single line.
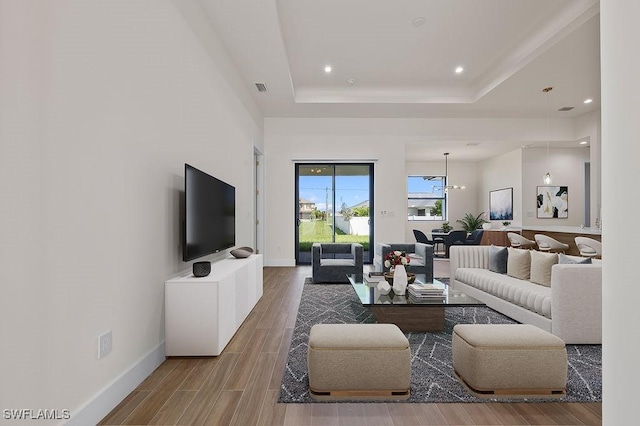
[(358, 361), (512, 360)]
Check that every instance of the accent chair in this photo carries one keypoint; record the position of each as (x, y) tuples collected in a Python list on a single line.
[(331, 262), (420, 255)]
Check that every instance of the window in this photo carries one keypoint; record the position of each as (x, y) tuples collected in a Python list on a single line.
[(426, 198)]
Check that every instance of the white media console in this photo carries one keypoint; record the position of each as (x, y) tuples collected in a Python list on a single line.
[(203, 314)]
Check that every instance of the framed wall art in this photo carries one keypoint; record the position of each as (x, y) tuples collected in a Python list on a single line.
[(553, 202), (501, 204)]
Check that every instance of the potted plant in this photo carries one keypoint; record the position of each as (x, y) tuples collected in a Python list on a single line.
[(470, 222), (505, 224), (446, 227)]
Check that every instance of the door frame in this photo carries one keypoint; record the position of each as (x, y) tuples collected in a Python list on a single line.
[(323, 163)]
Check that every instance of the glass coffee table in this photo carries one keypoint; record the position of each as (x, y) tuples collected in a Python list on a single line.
[(403, 311)]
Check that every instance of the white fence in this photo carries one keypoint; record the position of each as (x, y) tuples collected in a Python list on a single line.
[(356, 226)]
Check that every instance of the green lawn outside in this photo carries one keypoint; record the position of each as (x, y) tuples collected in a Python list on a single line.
[(320, 232)]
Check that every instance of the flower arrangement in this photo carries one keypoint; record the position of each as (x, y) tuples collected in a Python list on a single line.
[(394, 258)]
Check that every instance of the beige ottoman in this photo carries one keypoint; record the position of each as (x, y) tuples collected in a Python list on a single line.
[(514, 360), (358, 361)]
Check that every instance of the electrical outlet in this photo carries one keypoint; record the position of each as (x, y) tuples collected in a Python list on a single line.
[(105, 344)]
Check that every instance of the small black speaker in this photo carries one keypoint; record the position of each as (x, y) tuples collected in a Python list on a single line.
[(201, 269)]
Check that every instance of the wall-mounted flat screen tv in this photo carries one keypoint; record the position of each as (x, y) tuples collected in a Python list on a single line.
[(210, 214)]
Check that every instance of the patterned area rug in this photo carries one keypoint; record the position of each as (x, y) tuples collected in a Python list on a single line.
[(432, 377)]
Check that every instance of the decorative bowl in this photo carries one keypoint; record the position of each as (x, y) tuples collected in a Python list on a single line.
[(411, 277), (242, 252)]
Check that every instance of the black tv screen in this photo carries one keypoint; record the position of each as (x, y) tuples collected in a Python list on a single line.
[(210, 214)]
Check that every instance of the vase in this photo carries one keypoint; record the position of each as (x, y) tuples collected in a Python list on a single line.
[(411, 277), (400, 280)]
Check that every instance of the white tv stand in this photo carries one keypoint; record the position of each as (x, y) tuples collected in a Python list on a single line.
[(203, 314)]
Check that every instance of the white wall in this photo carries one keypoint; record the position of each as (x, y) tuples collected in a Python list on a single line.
[(567, 169), (102, 103), (588, 127), (503, 171), (620, 206), (308, 139)]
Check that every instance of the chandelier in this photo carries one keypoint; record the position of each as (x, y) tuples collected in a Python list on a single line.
[(547, 177), (447, 187)]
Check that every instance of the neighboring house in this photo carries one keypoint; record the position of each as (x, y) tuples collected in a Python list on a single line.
[(364, 203), (305, 209)]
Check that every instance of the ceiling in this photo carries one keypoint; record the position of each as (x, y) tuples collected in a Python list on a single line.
[(396, 58)]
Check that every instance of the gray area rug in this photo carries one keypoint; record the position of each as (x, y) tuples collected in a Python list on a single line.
[(432, 377)]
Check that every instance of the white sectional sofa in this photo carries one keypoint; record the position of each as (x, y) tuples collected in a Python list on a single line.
[(570, 308)]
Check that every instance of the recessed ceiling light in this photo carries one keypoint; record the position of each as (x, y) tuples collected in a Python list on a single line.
[(583, 142), (588, 101), (327, 69), (459, 70), (419, 21)]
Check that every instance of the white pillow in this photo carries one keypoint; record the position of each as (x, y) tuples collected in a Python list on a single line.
[(541, 264), (518, 263)]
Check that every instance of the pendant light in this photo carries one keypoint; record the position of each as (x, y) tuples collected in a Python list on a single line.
[(447, 187), (547, 179)]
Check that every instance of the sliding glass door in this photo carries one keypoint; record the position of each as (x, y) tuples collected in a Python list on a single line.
[(333, 205)]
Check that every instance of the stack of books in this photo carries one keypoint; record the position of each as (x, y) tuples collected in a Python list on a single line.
[(423, 293), (373, 278)]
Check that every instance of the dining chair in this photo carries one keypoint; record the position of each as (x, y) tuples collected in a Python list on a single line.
[(548, 244), (438, 243), (421, 237), (589, 247), (518, 241)]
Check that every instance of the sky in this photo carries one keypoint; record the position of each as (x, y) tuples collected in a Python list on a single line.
[(416, 184), (350, 190), (353, 190)]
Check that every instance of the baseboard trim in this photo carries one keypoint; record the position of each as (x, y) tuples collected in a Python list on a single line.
[(96, 408)]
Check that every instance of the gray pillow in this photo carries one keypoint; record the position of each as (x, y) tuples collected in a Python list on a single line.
[(498, 259), (563, 258)]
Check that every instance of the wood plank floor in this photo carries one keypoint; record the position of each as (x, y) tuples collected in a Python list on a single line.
[(240, 387)]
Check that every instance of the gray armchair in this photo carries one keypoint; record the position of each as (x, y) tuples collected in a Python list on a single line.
[(421, 256), (331, 262)]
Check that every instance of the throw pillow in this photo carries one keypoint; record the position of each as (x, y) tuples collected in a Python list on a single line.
[(518, 263), (563, 258), (498, 259), (541, 264)]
